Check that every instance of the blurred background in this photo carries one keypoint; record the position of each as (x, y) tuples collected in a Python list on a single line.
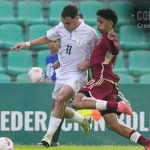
[(24, 107)]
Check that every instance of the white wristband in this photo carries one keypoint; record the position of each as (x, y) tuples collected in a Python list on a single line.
[(28, 44)]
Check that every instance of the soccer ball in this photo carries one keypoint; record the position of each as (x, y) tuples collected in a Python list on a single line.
[(36, 75), (6, 144)]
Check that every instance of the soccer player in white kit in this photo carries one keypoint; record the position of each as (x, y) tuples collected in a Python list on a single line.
[(77, 42)]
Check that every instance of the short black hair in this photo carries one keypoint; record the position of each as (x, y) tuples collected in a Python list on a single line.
[(69, 11), (108, 14)]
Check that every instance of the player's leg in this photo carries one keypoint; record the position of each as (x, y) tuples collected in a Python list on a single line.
[(55, 138), (63, 95), (121, 97), (115, 125), (78, 118), (62, 92), (98, 93), (92, 103)]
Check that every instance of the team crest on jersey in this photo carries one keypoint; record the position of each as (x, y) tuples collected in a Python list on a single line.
[(79, 42)]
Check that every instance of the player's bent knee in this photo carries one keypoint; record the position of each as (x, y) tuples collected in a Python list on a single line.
[(75, 105), (60, 100)]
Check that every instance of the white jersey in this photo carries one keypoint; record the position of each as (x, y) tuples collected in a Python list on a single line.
[(76, 46)]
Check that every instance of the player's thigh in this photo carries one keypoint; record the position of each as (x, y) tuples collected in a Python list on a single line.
[(76, 100), (53, 103), (61, 90), (75, 82), (65, 93), (57, 87), (78, 97)]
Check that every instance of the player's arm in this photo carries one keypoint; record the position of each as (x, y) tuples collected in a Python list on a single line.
[(83, 65), (56, 65), (113, 42), (38, 41)]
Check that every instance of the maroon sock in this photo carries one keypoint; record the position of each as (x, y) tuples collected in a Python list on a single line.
[(132, 132), (112, 106), (143, 141)]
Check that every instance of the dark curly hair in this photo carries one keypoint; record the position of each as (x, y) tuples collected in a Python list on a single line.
[(108, 14)]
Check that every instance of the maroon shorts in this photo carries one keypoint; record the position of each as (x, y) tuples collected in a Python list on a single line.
[(104, 91)]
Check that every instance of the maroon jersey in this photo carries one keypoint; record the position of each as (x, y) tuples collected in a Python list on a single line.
[(103, 59), (104, 82)]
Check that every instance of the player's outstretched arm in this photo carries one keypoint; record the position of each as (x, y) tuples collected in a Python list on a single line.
[(18, 46), (113, 41), (38, 41)]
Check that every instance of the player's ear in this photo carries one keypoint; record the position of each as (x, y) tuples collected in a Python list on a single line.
[(78, 16), (111, 24)]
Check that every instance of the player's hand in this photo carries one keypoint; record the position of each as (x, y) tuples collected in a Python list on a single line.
[(83, 65), (18, 47), (56, 65), (112, 35)]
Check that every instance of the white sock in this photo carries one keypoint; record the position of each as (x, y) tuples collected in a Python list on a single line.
[(77, 117), (53, 125), (135, 136), (101, 105)]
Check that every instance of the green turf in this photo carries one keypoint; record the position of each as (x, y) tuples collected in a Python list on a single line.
[(72, 147)]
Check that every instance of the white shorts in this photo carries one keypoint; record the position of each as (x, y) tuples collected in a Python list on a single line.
[(74, 81)]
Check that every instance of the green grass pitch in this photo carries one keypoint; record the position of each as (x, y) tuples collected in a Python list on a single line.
[(73, 147)]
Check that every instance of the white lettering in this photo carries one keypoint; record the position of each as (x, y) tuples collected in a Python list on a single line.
[(143, 15), (28, 120), (132, 121), (99, 126), (36, 121), (139, 25), (66, 126), (5, 120), (40, 121), (76, 126), (139, 15), (16, 121), (142, 122)]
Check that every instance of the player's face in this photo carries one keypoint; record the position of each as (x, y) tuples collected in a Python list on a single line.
[(54, 46), (103, 24), (69, 23)]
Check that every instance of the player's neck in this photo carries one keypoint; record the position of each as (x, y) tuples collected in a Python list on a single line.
[(107, 30), (54, 53)]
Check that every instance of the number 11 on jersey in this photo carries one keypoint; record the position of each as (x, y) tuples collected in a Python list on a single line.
[(68, 50)]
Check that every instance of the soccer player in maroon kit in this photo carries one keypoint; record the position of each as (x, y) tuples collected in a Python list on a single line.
[(103, 85)]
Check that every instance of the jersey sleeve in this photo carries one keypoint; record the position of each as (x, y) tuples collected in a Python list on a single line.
[(53, 33), (111, 45)]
